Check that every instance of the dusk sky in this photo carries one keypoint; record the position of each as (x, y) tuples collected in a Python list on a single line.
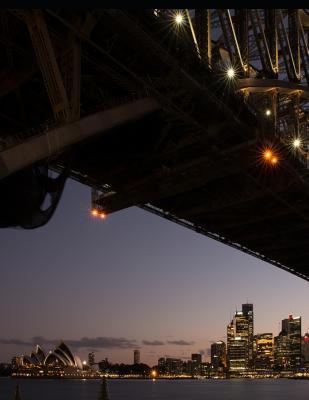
[(128, 281)]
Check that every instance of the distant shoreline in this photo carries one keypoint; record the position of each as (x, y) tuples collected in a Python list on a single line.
[(149, 379)]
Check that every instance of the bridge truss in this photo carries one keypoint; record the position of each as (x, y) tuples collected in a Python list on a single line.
[(200, 116)]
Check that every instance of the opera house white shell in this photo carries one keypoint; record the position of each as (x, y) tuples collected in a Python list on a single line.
[(61, 356)]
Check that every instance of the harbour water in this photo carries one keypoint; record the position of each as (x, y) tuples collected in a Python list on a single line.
[(245, 389)]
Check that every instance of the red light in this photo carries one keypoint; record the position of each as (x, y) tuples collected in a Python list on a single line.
[(290, 316)]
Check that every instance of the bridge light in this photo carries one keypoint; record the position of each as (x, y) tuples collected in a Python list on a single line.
[(267, 154), (267, 112), (296, 143), (179, 18), (274, 160), (230, 73), (94, 212)]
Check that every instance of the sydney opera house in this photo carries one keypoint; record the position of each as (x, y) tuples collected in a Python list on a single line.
[(60, 362)]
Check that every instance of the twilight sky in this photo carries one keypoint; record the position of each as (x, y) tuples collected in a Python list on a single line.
[(131, 281)]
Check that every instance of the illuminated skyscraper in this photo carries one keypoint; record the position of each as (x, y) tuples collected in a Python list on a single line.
[(294, 334), (218, 355), (137, 357), (305, 350), (288, 344), (240, 340), (247, 310), (263, 346), (237, 343)]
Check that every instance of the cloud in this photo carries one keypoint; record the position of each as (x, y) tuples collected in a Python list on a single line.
[(104, 343), (85, 342), (206, 352), (180, 342), (16, 342), (153, 342)]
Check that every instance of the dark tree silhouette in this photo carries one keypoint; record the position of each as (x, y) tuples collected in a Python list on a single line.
[(103, 393), (17, 393)]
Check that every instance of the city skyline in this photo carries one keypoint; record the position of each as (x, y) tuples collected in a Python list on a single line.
[(251, 351), (176, 286)]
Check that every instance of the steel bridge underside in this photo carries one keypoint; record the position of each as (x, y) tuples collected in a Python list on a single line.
[(218, 188), (195, 159)]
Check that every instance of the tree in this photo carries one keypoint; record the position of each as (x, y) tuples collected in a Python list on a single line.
[(17, 394), (103, 393)]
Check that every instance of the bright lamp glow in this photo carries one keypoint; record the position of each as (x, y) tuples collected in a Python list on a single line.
[(267, 154), (268, 112), (270, 157), (94, 212), (179, 19), (230, 73), (274, 160), (102, 215), (296, 143)]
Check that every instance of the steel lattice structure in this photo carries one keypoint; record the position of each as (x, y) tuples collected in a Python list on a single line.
[(200, 116)]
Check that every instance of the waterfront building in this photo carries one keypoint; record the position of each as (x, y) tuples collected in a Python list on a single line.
[(174, 366), (281, 352), (196, 361), (59, 362), (305, 351), (136, 357), (161, 366), (263, 351), (218, 355), (287, 345), (238, 355), (247, 310), (294, 334), (239, 332), (196, 358), (171, 366)]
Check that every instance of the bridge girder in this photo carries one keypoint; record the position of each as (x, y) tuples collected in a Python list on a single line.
[(201, 141)]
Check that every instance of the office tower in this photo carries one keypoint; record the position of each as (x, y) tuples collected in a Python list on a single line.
[(263, 351), (137, 357), (195, 365), (196, 358), (240, 340), (218, 355), (247, 310), (161, 366), (288, 345), (294, 334), (238, 355), (237, 343), (173, 366), (91, 359), (281, 352), (305, 351)]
